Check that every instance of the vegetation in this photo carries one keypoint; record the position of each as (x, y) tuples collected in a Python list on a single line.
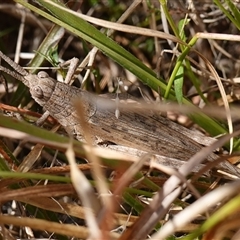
[(185, 52)]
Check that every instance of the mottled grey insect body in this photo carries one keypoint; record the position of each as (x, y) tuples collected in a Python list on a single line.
[(146, 132)]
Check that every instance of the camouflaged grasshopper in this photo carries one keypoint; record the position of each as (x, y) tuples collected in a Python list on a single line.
[(147, 132)]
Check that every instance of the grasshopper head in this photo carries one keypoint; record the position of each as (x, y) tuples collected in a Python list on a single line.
[(41, 87)]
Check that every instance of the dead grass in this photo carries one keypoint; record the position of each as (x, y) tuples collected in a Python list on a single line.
[(101, 193)]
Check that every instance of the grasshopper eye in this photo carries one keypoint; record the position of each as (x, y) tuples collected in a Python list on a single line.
[(37, 92), (42, 74)]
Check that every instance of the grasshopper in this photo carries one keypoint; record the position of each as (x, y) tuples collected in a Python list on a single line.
[(145, 131)]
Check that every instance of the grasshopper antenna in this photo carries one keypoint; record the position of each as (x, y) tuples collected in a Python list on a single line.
[(19, 72)]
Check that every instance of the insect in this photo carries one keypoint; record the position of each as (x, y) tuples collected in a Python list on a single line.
[(145, 131)]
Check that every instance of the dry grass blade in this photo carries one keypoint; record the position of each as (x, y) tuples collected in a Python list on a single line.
[(224, 97), (70, 209), (33, 156), (133, 104), (163, 199), (98, 175), (172, 172), (64, 229), (130, 173), (86, 193), (121, 27), (200, 206), (118, 188), (32, 192)]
